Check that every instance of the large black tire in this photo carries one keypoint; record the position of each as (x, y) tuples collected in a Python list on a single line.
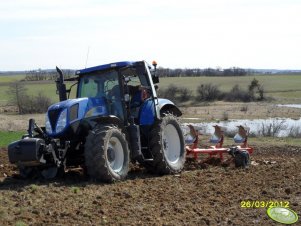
[(167, 146), (106, 154)]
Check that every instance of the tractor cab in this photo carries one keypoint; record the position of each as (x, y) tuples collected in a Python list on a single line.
[(124, 87)]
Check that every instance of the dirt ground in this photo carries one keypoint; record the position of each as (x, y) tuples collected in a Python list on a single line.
[(203, 194)]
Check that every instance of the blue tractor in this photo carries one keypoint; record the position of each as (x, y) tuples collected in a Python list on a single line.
[(115, 118)]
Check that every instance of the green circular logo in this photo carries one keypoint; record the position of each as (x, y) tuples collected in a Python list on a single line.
[(282, 215)]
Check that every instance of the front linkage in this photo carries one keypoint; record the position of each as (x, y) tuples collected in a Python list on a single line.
[(36, 150)]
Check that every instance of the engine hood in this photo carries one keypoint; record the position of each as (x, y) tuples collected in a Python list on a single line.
[(75, 110), (68, 103)]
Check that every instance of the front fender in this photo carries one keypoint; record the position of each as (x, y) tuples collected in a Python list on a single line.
[(167, 106), (110, 119)]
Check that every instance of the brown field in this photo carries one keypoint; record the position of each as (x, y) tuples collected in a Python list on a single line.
[(202, 195)]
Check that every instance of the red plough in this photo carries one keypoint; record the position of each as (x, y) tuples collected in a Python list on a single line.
[(240, 153)]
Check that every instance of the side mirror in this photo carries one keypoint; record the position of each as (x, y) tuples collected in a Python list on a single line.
[(155, 79), (154, 74)]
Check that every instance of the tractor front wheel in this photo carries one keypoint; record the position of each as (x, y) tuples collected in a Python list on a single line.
[(106, 154), (167, 146)]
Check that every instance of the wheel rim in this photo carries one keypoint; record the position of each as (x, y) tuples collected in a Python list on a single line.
[(171, 143), (115, 154)]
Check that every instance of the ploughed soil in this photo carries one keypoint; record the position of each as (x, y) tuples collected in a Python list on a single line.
[(205, 193)]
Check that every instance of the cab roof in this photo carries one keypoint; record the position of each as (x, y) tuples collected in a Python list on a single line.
[(105, 67)]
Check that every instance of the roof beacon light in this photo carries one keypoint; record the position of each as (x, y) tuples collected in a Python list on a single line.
[(154, 63)]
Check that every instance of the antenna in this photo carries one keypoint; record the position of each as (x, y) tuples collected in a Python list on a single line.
[(87, 56)]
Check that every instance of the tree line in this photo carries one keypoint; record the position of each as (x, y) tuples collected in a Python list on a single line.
[(211, 92), (195, 72), (39, 75)]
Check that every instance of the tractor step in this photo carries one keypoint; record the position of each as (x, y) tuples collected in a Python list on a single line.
[(147, 156), (148, 160)]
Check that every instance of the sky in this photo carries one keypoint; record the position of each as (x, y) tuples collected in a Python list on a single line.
[(177, 34)]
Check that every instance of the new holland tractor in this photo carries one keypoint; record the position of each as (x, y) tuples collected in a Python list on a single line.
[(115, 118)]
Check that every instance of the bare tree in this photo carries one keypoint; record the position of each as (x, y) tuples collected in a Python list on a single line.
[(17, 93), (256, 90), (36, 75), (27, 104)]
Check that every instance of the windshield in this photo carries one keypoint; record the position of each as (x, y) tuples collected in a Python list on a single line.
[(99, 84), (104, 84)]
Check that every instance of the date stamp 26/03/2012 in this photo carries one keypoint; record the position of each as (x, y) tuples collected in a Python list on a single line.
[(263, 204)]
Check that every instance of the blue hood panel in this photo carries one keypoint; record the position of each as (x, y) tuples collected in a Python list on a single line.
[(85, 104), (68, 103), (92, 106)]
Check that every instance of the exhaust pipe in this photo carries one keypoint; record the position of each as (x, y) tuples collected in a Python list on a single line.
[(60, 85)]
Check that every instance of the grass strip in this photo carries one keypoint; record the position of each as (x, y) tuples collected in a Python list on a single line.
[(7, 137)]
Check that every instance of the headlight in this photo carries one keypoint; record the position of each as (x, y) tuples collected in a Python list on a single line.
[(47, 124), (61, 122)]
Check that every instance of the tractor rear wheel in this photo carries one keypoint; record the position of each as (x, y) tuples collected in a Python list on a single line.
[(167, 146), (106, 154)]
